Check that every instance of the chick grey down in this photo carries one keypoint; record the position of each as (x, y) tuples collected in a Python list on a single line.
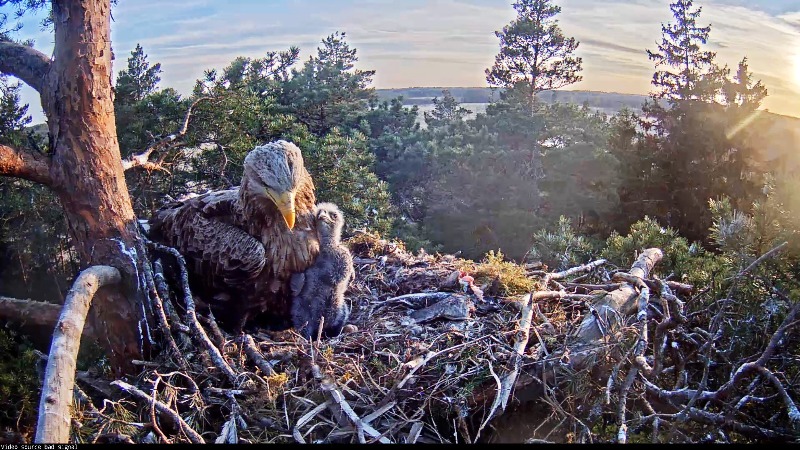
[(319, 291)]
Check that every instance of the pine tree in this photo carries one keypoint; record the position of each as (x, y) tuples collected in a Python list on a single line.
[(139, 79), (694, 146), (534, 53), (143, 114), (446, 110), (328, 91), (680, 56)]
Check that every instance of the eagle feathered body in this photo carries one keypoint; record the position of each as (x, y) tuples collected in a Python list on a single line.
[(238, 242)]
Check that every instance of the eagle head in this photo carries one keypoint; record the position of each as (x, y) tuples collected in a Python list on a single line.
[(330, 222), (275, 170)]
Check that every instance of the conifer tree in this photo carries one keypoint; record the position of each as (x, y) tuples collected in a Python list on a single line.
[(139, 79), (693, 146), (534, 53)]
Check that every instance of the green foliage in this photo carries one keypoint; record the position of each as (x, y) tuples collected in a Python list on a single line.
[(690, 263), (680, 49), (561, 248), (446, 111), (698, 146), (325, 108), (512, 277), (34, 246), (138, 80), (341, 167), (534, 52), (19, 383), (327, 91), (144, 114), (580, 179)]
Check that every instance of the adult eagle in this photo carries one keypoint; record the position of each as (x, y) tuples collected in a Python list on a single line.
[(243, 244)]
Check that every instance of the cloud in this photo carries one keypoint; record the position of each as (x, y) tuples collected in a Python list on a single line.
[(451, 42)]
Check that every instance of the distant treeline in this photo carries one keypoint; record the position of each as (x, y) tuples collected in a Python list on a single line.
[(425, 95)]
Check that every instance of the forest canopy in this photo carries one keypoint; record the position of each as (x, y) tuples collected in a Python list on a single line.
[(534, 186)]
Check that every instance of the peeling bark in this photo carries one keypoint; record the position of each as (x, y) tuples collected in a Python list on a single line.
[(85, 169), (620, 302)]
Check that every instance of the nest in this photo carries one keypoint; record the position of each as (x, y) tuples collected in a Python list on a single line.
[(430, 354)]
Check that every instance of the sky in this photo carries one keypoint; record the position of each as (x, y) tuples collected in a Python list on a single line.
[(444, 42)]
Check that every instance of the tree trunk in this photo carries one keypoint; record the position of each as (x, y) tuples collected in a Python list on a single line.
[(85, 168)]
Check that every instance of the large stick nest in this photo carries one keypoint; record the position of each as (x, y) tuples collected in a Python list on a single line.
[(427, 357)]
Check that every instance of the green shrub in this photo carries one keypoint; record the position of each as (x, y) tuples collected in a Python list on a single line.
[(19, 382), (561, 248)]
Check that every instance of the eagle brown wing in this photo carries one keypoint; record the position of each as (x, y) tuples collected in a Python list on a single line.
[(203, 230)]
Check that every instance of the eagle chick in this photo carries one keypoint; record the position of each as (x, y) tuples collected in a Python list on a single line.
[(319, 291)]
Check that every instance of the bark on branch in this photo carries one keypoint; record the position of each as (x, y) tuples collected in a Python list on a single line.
[(41, 315), (143, 159), (25, 63), (25, 164), (59, 378)]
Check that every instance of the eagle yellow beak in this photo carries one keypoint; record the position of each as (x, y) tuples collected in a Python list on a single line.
[(285, 203)]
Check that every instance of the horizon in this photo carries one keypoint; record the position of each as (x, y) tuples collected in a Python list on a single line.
[(443, 43)]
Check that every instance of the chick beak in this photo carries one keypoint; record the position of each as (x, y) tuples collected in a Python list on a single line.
[(285, 204)]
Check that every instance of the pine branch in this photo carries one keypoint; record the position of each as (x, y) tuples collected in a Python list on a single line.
[(143, 159), (25, 63), (26, 164)]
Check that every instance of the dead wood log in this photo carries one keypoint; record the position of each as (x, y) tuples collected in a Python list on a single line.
[(618, 303), (59, 379)]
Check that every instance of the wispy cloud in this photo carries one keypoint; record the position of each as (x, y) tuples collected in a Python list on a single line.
[(451, 42)]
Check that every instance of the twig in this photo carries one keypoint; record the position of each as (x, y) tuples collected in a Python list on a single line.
[(507, 383), (161, 317), (253, 353), (164, 409), (572, 271), (336, 397), (143, 159), (194, 325)]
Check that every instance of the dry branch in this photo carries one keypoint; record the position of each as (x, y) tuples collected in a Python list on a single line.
[(161, 317), (59, 380), (162, 408), (336, 398), (620, 302), (588, 267), (383, 380), (143, 159), (42, 315), (253, 353), (194, 325), (506, 385)]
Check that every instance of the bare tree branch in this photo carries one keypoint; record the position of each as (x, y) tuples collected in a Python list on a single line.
[(143, 159), (25, 164), (59, 378), (25, 63)]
